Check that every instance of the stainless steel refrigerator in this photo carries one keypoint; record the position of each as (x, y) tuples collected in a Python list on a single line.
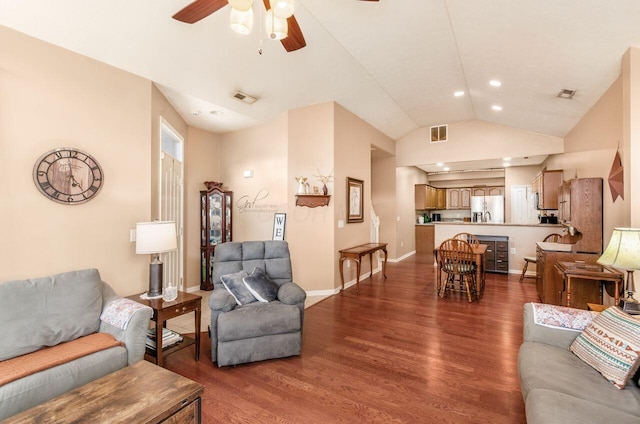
[(487, 209)]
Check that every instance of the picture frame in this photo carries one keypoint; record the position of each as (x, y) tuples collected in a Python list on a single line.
[(279, 223), (355, 200)]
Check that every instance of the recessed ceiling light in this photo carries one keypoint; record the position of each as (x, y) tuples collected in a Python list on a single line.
[(216, 112), (446, 168), (440, 164), (496, 107), (506, 164), (495, 83), (459, 93), (196, 112), (506, 159)]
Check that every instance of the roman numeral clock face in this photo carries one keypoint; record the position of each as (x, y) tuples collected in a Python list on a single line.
[(68, 176)]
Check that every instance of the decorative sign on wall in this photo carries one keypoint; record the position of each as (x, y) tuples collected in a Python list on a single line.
[(256, 203), (616, 178), (279, 221)]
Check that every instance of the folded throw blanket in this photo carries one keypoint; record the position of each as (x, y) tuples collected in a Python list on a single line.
[(118, 312), (49, 357), (562, 317)]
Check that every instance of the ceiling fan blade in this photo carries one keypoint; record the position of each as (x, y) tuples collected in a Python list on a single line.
[(295, 39), (199, 9)]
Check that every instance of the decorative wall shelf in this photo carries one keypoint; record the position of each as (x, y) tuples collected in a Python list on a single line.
[(312, 200)]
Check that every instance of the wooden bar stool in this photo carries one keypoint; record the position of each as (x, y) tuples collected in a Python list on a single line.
[(553, 238)]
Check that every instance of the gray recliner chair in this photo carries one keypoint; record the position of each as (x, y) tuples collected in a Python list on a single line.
[(255, 331)]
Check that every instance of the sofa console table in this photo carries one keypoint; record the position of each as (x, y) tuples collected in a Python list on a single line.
[(356, 253)]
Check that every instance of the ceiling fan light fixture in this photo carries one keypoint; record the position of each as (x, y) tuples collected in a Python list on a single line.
[(241, 5), (241, 22), (277, 28), (282, 8)]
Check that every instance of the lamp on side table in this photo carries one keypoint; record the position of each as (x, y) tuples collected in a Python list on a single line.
[(153, 238), (623, 252)]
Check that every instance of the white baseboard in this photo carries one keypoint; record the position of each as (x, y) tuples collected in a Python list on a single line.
[(403, 257), (193, 289)]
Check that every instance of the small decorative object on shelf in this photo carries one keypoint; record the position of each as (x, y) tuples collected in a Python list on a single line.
[(324, 179), (303, 186), (215, 227)]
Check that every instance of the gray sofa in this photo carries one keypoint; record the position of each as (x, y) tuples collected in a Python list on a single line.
[(255, 331), (558, 387), (43, 312)]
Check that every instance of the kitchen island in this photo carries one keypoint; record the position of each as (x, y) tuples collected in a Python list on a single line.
[(522, 237)]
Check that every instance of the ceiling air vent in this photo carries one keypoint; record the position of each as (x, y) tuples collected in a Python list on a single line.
[(245, 97), (566, 93), (439, 133)]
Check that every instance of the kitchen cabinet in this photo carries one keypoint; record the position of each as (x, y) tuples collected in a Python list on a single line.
[(425, 238), (546, 184), (487, 191), (550, 285), (426, 197), (587, 218), (497, 254), (458, 198)]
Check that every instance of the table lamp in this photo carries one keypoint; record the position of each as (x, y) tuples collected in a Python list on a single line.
[(623, 252), (153, 238)]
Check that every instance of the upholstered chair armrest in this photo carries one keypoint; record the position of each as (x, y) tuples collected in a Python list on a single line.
[(134, 336), (555, 325), (221, 301), (291, 294)]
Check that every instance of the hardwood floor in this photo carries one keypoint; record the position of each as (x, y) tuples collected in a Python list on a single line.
[(395, 353)]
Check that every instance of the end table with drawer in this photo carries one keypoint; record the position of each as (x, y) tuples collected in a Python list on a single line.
[(165, 310)]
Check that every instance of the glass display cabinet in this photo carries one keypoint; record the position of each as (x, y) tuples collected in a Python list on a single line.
[(215, 227)]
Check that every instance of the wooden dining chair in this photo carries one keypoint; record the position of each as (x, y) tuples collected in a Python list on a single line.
[(468, 237), (456, 260), (553, 238)]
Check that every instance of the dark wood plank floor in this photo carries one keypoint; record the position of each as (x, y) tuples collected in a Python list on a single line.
[(395, 353)]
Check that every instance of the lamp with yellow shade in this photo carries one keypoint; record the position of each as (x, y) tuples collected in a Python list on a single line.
[(623, 252)]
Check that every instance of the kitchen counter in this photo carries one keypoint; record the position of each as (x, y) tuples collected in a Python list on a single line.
[(554, 247), (500, 224)]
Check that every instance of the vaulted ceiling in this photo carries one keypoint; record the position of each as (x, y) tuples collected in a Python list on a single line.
[(394, 63)]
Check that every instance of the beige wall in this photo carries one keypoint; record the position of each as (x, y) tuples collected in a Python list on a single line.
[(406, 179), (202, 163), (53, 98), (473, 140), (383, 199)]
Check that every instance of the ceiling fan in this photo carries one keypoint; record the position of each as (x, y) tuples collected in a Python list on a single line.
[(200, 9)]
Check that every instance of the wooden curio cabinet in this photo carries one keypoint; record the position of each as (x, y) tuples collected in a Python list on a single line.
[(215, 227)]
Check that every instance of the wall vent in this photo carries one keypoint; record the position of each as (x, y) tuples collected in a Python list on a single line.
[(566, 93), (439, 133), (245, 97)]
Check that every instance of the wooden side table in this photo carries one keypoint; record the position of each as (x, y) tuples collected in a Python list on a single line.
[(594, 272), (163, 311)]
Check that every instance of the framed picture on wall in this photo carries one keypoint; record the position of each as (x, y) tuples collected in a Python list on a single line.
[(355, 200), (279, 221)]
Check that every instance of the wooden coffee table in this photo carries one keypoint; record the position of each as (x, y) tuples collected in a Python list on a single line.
[(140, 393)]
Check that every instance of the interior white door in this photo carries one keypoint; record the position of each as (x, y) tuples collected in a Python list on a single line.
[(171, 200)]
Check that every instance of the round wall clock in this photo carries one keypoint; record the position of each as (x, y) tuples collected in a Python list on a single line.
[(67, 175)]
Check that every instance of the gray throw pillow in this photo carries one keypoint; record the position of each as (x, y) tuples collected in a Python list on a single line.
[(261, 286), (234, 285)]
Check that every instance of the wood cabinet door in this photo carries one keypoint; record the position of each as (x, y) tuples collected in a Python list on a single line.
[(431, 197), (495, 191), (478, 192), (453, 198), (421, 196), (441, 198), (465, 198)]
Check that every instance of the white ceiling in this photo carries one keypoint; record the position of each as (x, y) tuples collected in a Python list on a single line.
[(394, 63)]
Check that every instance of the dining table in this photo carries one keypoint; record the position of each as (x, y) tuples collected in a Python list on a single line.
[(479, 252)]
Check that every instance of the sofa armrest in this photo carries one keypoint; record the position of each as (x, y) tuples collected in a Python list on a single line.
[(221, 301), (291, 294), (135, 335), (554, 336)]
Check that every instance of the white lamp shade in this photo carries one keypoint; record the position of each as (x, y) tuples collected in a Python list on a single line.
[(277, 28), (282, 8), (241, 22), (623, 250), (241, 5), (156, 237)]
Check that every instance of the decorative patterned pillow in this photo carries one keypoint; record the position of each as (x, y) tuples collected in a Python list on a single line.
[(611, 345), (261, 286), (234, 285)]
